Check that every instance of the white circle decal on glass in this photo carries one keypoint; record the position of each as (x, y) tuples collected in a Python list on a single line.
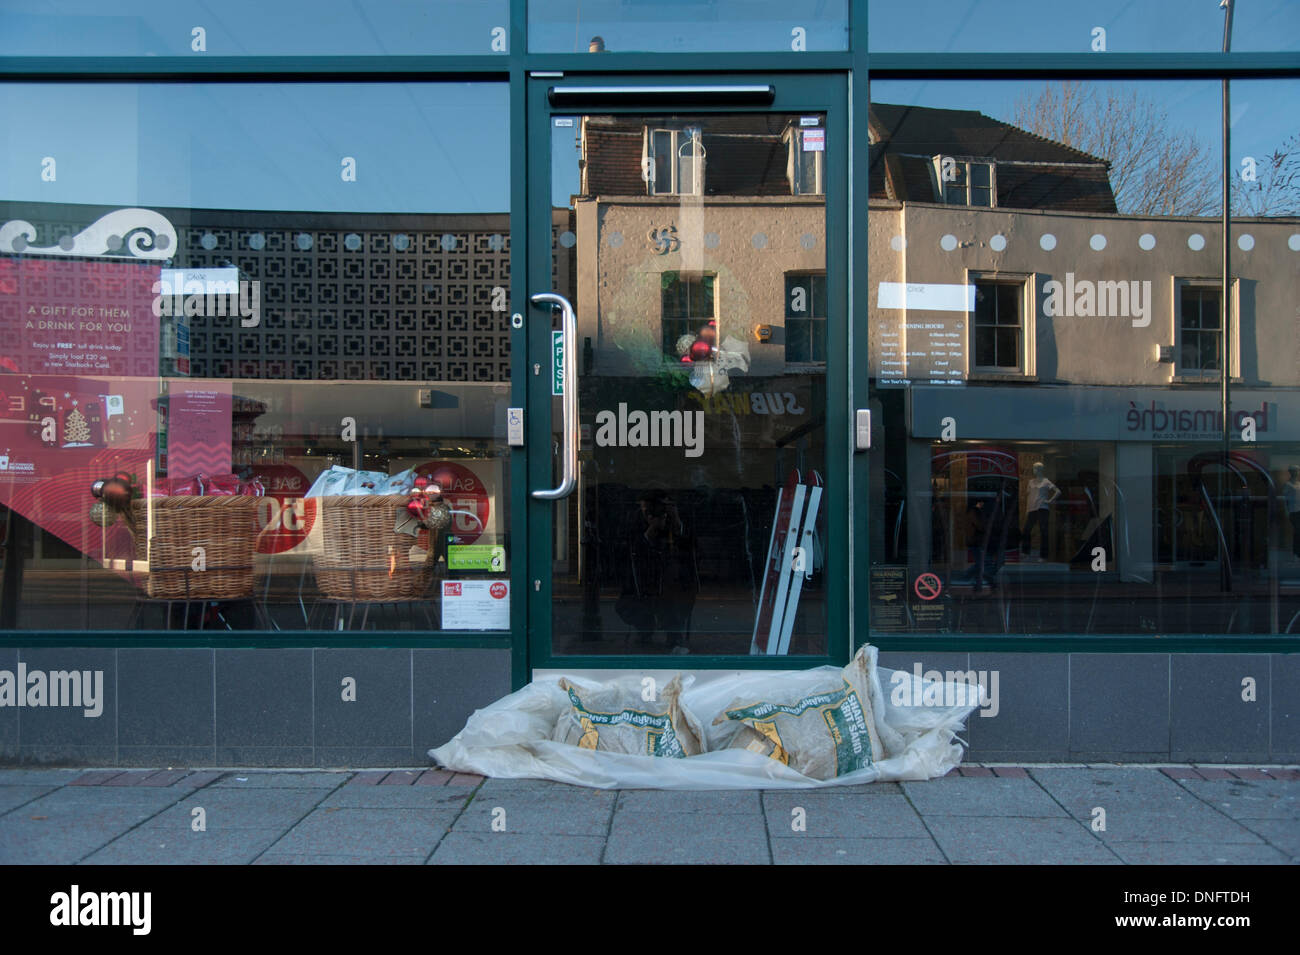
[(114, 242), (808, 240), (568, 239), (1047, 242), (20, 243), (1245, 242), (162, 242), (401, 242), (1196, 242), (998, 242), (304, 241), (1097, 242), (496, 242), (760, 240), (257, 241), (67, 243), (1146, 242), (208, 241), (712, 240), (948, 243), (898, 243), (352, 241), (615, 239), (1293, 242), (448, 242)]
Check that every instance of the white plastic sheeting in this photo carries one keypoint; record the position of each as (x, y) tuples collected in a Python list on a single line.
[(511, 737)]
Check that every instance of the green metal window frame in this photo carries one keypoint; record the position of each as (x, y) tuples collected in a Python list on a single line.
[(513, 67)]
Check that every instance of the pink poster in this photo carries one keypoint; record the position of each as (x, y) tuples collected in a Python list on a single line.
[(198, 428), (78, 389)]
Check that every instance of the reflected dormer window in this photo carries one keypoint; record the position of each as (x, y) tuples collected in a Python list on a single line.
[(963, 182), (673, 162)]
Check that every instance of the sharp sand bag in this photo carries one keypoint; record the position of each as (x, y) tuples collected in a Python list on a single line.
[(617, 720), (828, 732), (537, 731)]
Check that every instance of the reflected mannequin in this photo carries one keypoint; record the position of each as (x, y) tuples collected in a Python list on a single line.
[(1042, 494)]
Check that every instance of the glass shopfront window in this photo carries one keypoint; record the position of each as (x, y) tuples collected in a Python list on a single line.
[(681, 26), (700, 519), (1065, 26), (256, 357), (1046, 364), (191, 28)]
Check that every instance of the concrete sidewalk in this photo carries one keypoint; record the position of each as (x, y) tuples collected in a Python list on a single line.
[(1048, 814)]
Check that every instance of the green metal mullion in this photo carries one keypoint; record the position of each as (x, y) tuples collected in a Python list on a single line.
[(519, 481), (247, 639), (1132, 65), (692, 662), (859, 299), (839, 393), (1077, 643), (250, 68), (649, 64), (537, 328)]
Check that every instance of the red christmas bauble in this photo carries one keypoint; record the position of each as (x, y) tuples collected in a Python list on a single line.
[(116, 494), (415, 508), (701, 351)]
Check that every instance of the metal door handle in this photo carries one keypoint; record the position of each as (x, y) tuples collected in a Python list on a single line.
[(569, 374)]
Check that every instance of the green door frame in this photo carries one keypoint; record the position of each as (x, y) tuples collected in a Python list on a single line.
[(819, 92)]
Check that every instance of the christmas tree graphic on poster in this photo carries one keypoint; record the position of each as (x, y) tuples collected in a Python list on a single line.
[(76, 431)]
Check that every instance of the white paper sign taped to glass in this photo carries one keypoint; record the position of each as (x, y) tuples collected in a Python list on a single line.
[(475, 605), (926, 296)]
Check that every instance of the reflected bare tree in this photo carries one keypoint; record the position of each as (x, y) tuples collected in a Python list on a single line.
[(1155, 169)]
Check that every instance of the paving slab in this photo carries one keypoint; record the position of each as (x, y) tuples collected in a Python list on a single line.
[(38, 777), (1018, 841), (11, 797), (366, 832), (1191, 824), (1282, 835), (517, 848), (280, 858), (850, 851), (61, 833), (828, 816), (982, 796), (1081, 790), (688, 838), (1242, 799), (256, 780), (579, 814), (715, 801), (226, 809), (398, 797), (1196, 853), (230, 846)]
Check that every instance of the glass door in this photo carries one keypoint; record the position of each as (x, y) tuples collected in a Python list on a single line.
[(688, 349)]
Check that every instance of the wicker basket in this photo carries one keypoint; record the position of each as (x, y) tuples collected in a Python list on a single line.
[(225, 527), (362, 557)]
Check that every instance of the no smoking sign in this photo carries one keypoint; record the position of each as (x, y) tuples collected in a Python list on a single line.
[(927, 586)]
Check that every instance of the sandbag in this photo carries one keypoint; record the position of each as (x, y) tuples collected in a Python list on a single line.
[(823, 733), (616, 719)]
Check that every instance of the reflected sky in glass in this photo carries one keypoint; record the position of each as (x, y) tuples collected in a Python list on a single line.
[(417, 147)]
